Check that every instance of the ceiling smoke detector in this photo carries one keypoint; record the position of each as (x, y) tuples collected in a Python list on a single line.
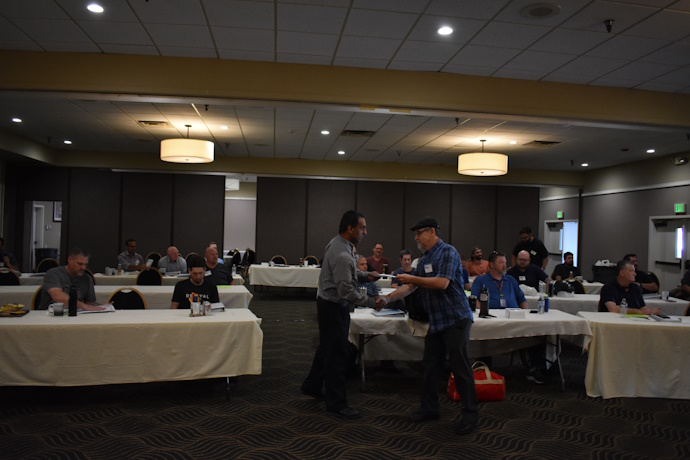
[(540, 11)]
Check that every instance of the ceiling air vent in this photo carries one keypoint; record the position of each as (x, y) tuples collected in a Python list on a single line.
[(542, 143), (356, 133), (153, 124)]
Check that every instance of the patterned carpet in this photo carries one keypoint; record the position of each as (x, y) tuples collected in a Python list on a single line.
[(266, 417)]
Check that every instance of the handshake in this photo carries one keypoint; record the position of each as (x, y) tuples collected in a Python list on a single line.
[(381, 303)]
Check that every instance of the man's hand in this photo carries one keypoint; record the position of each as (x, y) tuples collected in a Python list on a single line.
[(381, 303), (404, 279), (373, 276), (650, 310), (86, 306)]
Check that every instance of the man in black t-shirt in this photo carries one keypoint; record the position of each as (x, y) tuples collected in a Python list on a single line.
[(644, 279), (539, 256), (196, 284), (624, 287), (567, 270), (527, 273)]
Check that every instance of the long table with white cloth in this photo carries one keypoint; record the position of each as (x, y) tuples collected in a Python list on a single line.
[(285, 276), (575, 303), (637, 357), (128, 346), (401, 338), (129, 279), (157, 297)]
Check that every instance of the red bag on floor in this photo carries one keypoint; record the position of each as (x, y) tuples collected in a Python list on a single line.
[(490, 386)]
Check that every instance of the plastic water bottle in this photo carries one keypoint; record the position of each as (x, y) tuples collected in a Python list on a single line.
[(624, 308), (541, 305)]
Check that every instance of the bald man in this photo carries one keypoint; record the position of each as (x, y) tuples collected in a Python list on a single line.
[(172, 262)]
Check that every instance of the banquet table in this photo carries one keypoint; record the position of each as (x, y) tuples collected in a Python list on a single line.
[(590, 302), (128, 346), (635, 357), (157, 297), (129, 279), (285, 276), (401, 338)]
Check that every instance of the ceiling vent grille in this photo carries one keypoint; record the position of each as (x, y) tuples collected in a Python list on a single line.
[(153, 124), (542, 143), (356, 133)]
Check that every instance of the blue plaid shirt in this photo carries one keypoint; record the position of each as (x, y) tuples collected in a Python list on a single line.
[(445, 307)]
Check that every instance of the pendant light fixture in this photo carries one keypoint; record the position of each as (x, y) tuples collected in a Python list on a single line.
[(483, 163), (187, 150)]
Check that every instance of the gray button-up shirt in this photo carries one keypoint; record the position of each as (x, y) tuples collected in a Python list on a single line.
[(339, 276)]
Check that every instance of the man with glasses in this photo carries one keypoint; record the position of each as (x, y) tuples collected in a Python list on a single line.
[(527, 273), (378, 262), (438, 277)]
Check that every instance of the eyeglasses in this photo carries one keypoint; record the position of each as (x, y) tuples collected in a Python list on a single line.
[(421, 230)]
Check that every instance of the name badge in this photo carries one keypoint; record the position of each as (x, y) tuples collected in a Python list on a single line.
[(522, 278), (503, 303), (428, 268), (208, 273), (533, 252)]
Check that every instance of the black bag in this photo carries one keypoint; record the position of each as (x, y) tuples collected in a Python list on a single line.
[(561, 286)]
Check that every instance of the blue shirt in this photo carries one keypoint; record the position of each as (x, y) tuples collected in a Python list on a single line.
[(448, 306), (372, 288), (506, 286)]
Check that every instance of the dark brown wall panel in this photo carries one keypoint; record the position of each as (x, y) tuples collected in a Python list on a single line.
[(426, 200), (516, 207), (199, 204), (382, 206), (147, 203), (569, 206), (473, 218), (327, 200), (281, 213), (93, 215)]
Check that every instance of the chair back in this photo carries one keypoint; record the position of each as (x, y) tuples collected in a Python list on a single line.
[(8, 277), (36, 299), (251, 257), (153, 256), (150, 277), (655, 278), (278, 259), (46, 264), (90, 273), (236, 258), (190, 255), (127, 298), (312, 260), (579, 287)]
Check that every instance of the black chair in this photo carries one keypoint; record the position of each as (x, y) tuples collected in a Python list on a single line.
[(36, 300), (655, 278), (127, 298), (248, 260), (236, 258), (578, 286), (90, 273), (312, 260), (190, 255), (279, 260), (150, 277), (45, 265), (153, 256), (8, 278)]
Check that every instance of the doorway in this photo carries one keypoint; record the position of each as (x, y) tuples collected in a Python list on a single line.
[(668, 249), (560, 236)]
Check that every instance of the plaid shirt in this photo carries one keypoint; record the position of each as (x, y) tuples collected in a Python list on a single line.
[(448, 306)]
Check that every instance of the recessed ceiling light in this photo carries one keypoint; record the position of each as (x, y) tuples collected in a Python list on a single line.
[(67, 142), (651, 151), (17, 120), (223, 127), (513, 142), (445, 30), (95, 8), (585, 165), (325, 132), (341, 152)]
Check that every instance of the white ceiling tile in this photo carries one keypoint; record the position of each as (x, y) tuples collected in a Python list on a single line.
[(463, 29), (70, 47), (415, 66), (20, 45), (641, 71), (680, 5), (129, 49), (304, 43), (669, 25), (618, 82), (8, 32), (340, 3), (677, 77), (520, 74), (412, 50), (592, 17), (52, 30), (591, 66), (119, 33), (170, 12), (315, 19), (513, 12), (503, 34), (367, 48), (180, 35), (625, 47), (243, 55), (115, 11), (41, 9), (483, 56), (568, 78), (244, 39), (651, 86), (675, 54), (469, 70), (405, 6), (183, 51), (369, 23), (486, 9), (303, 59), (244, 14), (539, 61), (570, 41)]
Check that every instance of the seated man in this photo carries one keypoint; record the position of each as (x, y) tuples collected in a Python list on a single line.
[(377, 261), (220, 274), (7, 259), (527, 273), (475, 266), (130, 260), (58, 281), (214, 245), (405, 267), (196, 284), (567, 270), (683, 291), (624, 287), (642, 278), (372, 288), (172, 262)]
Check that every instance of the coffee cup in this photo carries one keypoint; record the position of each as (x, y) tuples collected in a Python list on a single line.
[(58, 308)]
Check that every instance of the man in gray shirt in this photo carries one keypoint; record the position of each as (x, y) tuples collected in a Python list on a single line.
[(58, 280), (131, 260), (172, 262), (337, 292)]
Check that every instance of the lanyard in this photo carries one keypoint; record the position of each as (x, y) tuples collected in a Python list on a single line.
[(500, 288)]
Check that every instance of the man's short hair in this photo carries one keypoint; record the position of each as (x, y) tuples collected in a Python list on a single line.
[(195, 261), (405, 252), (629, 256), (495, 255), (349, 219), (527, 230), (129, 240), (620, 266), (474, 249), (567, 254), (76, 252)]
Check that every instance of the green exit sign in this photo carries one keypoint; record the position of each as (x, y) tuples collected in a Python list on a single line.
[(559, 214), (679, 208)]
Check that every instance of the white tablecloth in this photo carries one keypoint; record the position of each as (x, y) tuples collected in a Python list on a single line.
[(157, 297), (637, 357), (590, 302), (28, 279), (590, 287), (289, 276), (128, 346)]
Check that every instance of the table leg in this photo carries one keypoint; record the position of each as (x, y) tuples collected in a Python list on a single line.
[(361, 360), (227, 388)]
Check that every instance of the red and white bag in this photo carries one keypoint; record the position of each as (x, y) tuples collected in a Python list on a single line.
[(490, 386)]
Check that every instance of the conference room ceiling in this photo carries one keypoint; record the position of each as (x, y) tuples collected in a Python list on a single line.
[(647, 49)]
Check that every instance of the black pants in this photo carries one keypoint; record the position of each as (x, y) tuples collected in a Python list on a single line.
[(331, 358), (454, 341)]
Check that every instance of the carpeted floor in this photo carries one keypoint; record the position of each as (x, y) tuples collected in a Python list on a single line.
[(266, 417)]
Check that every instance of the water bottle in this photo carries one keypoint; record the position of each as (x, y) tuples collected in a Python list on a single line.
[(72, 306), (541, 305), (483, 302), (624, 308)]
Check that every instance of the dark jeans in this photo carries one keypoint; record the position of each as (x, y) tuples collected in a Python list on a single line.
[(454, 341), (331, 358)]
